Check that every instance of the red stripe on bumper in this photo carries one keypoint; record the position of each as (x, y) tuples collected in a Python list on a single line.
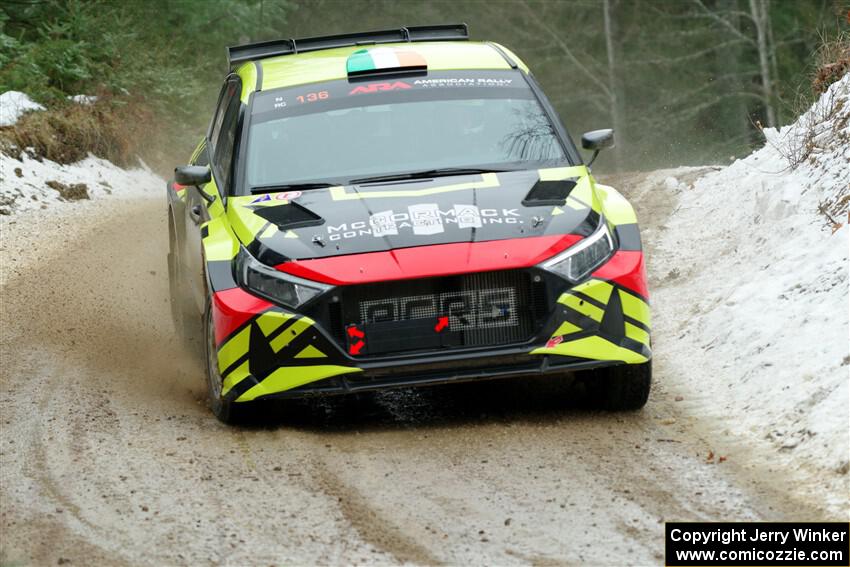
[(232, 308), (431, 261), (626, 267)]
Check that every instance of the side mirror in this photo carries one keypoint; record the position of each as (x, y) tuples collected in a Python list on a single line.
[(597, 140), (195, 175), (192, 175)]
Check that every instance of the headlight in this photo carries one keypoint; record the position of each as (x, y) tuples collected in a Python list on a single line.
[(273, 285), (576, 262)]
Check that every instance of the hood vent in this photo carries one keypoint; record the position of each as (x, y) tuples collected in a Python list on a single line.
[(549, 192), (289, 216)]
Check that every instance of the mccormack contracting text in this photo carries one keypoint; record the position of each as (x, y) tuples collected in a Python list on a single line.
[(757, 543)]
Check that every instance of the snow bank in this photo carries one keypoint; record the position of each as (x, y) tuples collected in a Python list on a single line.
[(752, 310), (13, 104), (32, 184)]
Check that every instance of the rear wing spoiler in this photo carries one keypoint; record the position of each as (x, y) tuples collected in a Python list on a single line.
[(263, 49)]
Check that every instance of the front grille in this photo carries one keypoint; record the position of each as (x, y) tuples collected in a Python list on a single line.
[(473, 310)]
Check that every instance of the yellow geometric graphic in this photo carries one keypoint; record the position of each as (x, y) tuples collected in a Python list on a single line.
[(311, 352), (583, 307), (290, 377), (291, 333), (272, 320), (593, 348)]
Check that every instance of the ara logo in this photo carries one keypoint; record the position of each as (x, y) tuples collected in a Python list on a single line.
[(378, 87)]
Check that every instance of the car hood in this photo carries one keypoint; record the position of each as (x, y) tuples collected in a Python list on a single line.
[(376, 217)]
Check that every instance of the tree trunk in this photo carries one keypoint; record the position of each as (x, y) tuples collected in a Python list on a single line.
[(759, 14), (615, 100), (735, 114), (774, 67)]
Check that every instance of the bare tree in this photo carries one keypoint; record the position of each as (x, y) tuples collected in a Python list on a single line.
[(609, 86), (762, 43), (760, 17), (729, 58), (614, 99)]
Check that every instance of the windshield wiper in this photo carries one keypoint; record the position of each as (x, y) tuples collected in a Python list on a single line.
[(441, 172), (290, 187)]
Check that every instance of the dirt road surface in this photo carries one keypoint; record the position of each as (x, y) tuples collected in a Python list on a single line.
[(108, 454)]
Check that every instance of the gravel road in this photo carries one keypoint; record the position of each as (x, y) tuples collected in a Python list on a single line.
[(108, 454)]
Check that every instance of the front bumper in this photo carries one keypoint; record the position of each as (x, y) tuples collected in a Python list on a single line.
[(266, 351)]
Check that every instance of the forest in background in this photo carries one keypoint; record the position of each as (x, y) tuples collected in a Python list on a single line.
[(681, 81)]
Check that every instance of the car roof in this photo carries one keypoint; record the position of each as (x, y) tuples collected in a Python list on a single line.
[(330, 64)]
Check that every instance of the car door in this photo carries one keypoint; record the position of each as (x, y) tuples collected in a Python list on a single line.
[(218, 154)]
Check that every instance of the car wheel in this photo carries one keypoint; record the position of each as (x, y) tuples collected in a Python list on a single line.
[(225, 410), (186, 323), (620, 388)]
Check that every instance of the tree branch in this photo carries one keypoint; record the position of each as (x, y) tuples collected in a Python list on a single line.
[(724, 22), (593, 99), (688, 57), (691, 111), (557, 39)]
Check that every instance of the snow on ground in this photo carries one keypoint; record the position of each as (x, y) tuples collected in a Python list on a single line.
[(752, 307), (13, 105), (32, 184), (83, 99)]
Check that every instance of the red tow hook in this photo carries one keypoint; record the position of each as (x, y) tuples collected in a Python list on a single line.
[(354, 348)]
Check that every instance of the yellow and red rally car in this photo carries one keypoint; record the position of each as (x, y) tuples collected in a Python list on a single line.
[(398, 208)]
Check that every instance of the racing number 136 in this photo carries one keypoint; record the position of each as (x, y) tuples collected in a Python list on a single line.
[(312, 97)]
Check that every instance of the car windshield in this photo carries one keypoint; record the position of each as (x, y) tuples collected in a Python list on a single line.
[(346, 131)]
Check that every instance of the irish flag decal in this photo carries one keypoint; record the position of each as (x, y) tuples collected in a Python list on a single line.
[(366, 61)]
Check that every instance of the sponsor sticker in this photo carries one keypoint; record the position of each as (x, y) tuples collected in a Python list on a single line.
[(383, 224), (463, 82), (288, 195), (468, 216), (425, 218)]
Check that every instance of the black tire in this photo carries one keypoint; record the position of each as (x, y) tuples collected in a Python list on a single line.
[(187, 322), (620, 388), (227, 411)]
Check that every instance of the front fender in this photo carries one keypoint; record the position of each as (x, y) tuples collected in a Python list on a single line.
[(621, 217), (219, 246)]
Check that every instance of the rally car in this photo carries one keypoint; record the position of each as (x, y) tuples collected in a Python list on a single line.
[(400, 208)]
